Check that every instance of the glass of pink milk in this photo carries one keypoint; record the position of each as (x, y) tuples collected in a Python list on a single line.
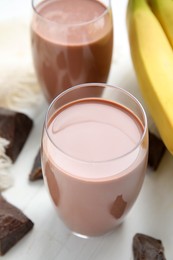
[(94, 156), (72, 42)]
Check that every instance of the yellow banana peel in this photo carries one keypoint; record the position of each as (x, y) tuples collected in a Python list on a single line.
[(152, 58), (163, 10)]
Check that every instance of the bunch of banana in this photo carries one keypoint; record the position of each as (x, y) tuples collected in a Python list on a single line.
[(163, 9), (152, 57)]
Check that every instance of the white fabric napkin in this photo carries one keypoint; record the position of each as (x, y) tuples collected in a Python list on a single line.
[(19, 89)]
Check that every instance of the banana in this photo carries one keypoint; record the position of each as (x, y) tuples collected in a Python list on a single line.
[(163, 9), (152, 58)]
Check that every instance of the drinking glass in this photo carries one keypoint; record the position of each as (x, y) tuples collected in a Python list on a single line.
[(72, 43), (94, 156)]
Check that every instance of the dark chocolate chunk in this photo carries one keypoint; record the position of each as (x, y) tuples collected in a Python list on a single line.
[(147, 248), (118, 207), (36, 171), (14, 225), (15, 127), (156, 151)]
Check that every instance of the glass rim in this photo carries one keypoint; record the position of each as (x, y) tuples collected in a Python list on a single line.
[(34, 7), (103, 85)]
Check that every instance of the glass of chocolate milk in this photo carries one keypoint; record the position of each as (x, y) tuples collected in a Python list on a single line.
[(72, 42), (94, 156)]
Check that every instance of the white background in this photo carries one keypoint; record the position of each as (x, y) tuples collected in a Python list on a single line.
[(153, 212)]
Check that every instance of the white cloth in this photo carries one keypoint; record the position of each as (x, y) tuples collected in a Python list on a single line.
[(19, 89)]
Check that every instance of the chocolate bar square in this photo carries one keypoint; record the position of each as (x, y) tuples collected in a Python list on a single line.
[(14, 225), (15, 127), (156, 151), (36, 171), (147, 248)]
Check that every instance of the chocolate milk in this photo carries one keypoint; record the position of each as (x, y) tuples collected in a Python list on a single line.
[(66, 54), (93, 165)]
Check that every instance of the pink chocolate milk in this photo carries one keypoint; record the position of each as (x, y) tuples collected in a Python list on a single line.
[(93, 165), (69, 49)]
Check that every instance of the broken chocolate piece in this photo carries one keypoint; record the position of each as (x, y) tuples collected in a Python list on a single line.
[(147, 248), (156, 151), (15, 127), (36, 172), (118, 207), (14, 225)]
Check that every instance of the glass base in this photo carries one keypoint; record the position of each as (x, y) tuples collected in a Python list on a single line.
[(119, 225), (80, 235)]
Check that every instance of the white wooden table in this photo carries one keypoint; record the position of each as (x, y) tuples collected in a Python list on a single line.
[(49, 240)]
